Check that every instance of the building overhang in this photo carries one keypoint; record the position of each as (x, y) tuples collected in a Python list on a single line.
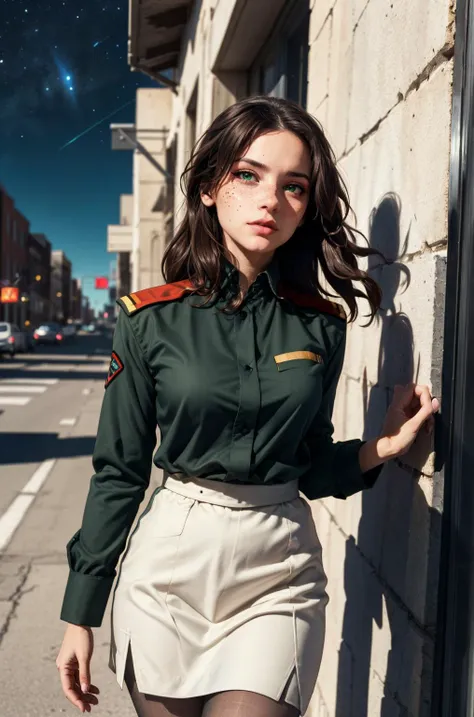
[(240, 28), (119, 238), (156, 29)]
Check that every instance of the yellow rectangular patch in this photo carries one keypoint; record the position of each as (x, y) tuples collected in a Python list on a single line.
[(129, 304), (292, 355)]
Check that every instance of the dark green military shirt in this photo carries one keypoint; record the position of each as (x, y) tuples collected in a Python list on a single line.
[(244, 397)]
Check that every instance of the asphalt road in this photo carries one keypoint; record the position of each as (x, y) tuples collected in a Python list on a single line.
[(49, 408)]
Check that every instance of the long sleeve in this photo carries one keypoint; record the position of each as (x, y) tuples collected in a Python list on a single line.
[(122, 463), (335, 469)]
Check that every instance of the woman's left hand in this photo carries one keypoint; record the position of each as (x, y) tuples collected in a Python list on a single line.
[(412, 408)]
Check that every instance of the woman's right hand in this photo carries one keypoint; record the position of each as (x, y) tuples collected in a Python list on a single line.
[(73, 663)]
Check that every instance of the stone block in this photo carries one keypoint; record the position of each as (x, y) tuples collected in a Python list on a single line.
[(398, 347), (398, 177), (320, 14), (406, 548), (340, 74), (393, 43), (318, 68)]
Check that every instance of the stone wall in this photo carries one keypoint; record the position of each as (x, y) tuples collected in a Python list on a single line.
[(380, 76)]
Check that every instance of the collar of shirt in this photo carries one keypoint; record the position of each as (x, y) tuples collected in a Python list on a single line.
[(267, 279)]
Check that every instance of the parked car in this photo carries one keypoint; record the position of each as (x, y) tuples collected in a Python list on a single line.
[(49, 333), (12, 339)]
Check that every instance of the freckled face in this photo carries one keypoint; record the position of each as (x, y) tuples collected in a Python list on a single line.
[(269, 183)]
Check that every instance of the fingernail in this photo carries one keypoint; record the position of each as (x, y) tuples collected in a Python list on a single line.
[(84, 687)]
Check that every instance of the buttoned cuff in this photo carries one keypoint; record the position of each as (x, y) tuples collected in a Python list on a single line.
[(349, 477), (85, 599)]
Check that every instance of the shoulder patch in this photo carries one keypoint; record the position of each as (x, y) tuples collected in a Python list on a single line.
[(115, 367), (312, 301), (131, 303)]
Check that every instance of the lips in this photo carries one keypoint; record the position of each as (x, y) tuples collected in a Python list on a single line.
[(269, 223)]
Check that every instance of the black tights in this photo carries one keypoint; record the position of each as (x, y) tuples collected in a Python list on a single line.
[(235, 703)]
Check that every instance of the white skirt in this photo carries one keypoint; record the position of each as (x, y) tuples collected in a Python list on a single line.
[(222, 588)]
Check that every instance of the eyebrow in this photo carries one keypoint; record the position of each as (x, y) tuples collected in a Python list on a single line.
[(254, 163)]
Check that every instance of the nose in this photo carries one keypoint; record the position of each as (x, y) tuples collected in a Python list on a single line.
[(269, 199)]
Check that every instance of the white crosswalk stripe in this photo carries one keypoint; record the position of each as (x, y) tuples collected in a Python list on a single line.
[(20, 391), (32, 381), (14, 400)]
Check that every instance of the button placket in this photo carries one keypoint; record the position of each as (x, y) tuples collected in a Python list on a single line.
[(249, 399)]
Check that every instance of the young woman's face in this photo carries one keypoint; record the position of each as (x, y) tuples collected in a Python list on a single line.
[(269, 183)]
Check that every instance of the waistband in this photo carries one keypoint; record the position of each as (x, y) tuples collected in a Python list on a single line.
[(231, 495)]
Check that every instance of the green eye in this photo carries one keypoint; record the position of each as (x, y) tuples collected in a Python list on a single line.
[(295, 189), (246, 176)]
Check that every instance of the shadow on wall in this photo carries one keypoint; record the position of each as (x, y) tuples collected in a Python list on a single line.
[(388, 580)]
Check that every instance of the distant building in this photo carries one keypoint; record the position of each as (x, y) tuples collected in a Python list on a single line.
[(14, 230), (88, 313), (61, 270), (76, 300), (120, 241), (39, 279)]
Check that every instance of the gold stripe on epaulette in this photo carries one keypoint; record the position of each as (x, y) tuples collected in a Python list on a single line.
[(290, 356), (130, 306)]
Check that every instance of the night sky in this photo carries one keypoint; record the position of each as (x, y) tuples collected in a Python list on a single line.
[(64, 78)]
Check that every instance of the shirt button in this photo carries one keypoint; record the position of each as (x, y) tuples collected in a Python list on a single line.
[(248, 368)]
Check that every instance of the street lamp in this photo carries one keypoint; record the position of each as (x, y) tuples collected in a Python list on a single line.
[(38, 277), (59, 294)]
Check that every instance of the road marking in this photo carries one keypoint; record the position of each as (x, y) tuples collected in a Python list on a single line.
[(68, 422), (15, 513), (86, 391), (39, 381), (39, 476), (22, 389), (12, 518), (14, 401)]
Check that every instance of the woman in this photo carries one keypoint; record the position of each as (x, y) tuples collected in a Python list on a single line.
[(219, 606)]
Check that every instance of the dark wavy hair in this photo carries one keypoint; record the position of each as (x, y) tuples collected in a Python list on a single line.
[(324, 241)]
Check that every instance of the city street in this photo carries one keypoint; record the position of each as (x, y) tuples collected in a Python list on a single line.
[(49, 407)]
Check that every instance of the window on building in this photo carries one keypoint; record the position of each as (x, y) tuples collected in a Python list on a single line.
[(281, 68)]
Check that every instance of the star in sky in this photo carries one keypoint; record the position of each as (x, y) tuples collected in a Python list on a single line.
[(62, 72)]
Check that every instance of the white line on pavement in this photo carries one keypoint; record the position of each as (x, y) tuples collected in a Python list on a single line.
[(86, 391), (22, 389), (12, 518), (39, 381), (14, 400), (68, 422), (15, 513), (39, 476)]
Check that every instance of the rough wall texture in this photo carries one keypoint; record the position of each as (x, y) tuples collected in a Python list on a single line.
[(380, 76)]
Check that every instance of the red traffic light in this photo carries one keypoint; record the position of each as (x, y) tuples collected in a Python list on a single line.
[(101, 282)]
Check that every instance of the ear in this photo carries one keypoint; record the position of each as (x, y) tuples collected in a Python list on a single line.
[(207, 200)]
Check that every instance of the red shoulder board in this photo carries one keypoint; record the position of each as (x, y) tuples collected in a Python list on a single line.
[(156, 295), (312, 301)]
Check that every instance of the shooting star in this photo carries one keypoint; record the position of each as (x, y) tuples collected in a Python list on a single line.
[(96, 124), (99, 42)]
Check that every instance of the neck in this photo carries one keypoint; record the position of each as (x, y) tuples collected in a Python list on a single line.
[(248, 265)]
